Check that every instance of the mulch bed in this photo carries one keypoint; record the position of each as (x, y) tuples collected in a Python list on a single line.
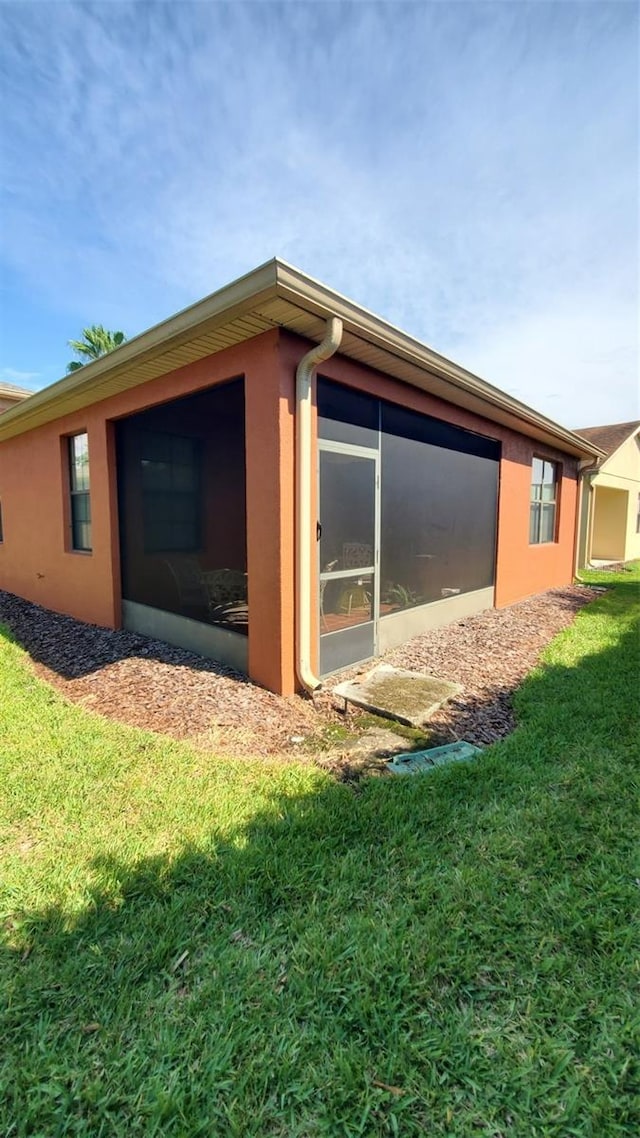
[(147, 683), (489, 654)]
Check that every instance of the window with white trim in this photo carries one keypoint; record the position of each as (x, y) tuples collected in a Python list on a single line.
[(80, 499), (544, 501)]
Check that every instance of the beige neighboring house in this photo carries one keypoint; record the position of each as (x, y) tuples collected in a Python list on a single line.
[(10, 395), (610, 499)]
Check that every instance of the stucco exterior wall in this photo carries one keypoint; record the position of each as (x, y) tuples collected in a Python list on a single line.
[(37, 563), (632, 541), (622, 465), (615, 517), (9, 401), (270, 414), (522, 570), (609, 523), (36, 560)]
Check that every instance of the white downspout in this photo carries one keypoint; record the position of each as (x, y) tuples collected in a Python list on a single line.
[(304, 449)]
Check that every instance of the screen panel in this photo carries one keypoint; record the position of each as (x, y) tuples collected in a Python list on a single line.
[(182, 505), (438, 523)]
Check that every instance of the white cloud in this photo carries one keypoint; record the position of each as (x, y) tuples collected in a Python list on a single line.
[(574, 360), (18, 378), (468, 171)]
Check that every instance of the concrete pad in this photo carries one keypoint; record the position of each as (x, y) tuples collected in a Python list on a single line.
[(409, 697), (377, 743), (364, 754)]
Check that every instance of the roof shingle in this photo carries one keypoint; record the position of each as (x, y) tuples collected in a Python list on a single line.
[(608, 438)]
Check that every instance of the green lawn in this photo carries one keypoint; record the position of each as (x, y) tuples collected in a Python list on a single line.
[(203, 947)]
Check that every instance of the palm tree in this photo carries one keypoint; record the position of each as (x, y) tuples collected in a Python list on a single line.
[(96, 341)]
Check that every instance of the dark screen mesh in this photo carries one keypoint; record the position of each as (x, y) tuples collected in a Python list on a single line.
[(438, 522), (182, 504), (438, 496)]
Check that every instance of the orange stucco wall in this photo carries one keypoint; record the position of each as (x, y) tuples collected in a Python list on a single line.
[(270, 524), (37, 563), (35, 560)]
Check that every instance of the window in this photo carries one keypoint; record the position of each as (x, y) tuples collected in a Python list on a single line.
[(79, 488), (171, 493), (544, 492), (637, 519)]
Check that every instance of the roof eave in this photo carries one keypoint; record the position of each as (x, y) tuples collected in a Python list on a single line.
[(9, 391), (292, 284), (277, 279), (239, 295)]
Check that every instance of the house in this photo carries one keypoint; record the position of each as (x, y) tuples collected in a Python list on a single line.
[(10, 395), (281, 480), (610, 496)]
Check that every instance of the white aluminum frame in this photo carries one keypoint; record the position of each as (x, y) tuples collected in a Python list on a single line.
[(372, 454)]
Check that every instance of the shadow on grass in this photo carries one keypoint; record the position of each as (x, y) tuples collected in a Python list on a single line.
[(462, 938)]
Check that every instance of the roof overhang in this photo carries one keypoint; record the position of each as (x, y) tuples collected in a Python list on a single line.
[(276, 295), (10, 391)]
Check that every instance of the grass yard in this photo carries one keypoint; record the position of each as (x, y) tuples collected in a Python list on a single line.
[(213, 947)]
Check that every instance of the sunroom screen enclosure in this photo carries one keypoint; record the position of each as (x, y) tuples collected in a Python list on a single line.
[(182, 511), (407, 510)]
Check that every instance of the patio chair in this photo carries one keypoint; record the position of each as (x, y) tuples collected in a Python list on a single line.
[(189, 580), (328, 568), (227, 596), (356, 555)]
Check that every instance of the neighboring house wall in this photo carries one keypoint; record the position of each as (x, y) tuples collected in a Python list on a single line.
[(609, 523), (632, 544), (36, 560), (616, 491), (9, 401), (621, 472)]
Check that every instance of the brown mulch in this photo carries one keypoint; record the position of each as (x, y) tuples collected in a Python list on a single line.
[(489, 654), (147, 683)]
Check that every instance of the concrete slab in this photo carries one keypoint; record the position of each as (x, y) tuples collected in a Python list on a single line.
[(409, 697), (377, 743)]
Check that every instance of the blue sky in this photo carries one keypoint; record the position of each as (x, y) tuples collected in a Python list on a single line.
[(469, 171)]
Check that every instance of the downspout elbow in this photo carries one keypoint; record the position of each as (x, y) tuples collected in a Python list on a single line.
[(305, 375)]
